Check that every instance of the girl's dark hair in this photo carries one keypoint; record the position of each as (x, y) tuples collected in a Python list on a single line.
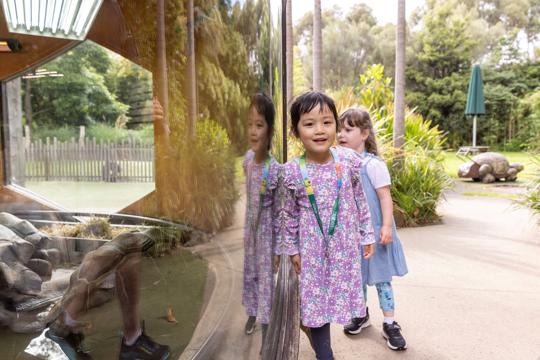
[(359, 117), (305, 103), (265, 107)]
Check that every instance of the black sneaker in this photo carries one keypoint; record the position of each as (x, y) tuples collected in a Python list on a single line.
[(144, 349), (72, 344), (357, 324), (250, 325), (392, 334)]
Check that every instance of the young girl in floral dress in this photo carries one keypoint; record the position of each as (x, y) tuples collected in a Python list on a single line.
[(261, 171), (326, 219)]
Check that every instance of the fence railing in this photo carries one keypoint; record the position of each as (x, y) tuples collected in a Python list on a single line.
[(88, 160)]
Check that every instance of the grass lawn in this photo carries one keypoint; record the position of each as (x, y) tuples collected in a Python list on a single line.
[(452, 163), (91, 196)]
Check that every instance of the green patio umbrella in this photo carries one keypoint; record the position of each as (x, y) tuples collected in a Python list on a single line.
[(475, 98)]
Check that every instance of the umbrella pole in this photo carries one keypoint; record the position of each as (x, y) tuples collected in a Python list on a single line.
[(474, 132)]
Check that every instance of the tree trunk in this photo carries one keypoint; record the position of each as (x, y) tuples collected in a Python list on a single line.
[(289, 51), (161, 127), (28, 104), (162, 88), (317, 46), (191, 72), (399, 94)]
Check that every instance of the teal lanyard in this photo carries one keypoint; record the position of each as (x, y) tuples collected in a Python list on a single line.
[(311, 194), (262, 193)]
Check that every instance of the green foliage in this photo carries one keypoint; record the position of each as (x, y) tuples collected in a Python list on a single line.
[(510, 122), (374, 90), (106, 133), (81, 96), (102, 133), (529, 129), (418, 182), (62, 133), (233, 62), (203, 178), (418, 176), (532, 197), (439, 76)]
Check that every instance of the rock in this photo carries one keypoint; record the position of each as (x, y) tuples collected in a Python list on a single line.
[(21, 327), (6, 277), (21, 248), (54, 256), (6, 317), (24, 229), (26, 281), (41, 267), (40, 254)]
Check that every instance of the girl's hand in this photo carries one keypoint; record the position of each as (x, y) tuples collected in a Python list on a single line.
[(276, 263), (386, 234), (295, 259), (369, 250)]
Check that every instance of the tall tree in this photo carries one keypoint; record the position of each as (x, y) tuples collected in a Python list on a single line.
[(162, 82), (399, 96), (289, 49), (191, 71), (317, 46), (437, 78)]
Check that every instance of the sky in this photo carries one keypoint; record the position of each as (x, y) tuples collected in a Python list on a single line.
[(384, 10)]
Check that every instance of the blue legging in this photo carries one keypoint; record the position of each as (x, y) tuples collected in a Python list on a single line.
[(386, 295)]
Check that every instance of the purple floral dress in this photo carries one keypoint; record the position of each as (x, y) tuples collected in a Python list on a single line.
[(330, 279), (259, 241)]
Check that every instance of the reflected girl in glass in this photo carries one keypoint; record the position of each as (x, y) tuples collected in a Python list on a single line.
[(261, 171)]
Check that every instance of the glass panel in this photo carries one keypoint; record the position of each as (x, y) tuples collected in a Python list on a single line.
[(103, 248)]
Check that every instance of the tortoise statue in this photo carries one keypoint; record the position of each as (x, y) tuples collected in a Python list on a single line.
[(489, 167)]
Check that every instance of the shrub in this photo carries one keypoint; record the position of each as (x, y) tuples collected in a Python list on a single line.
[(203, 177), (417, 171), (418, 183), (62, 133), (532, 197)]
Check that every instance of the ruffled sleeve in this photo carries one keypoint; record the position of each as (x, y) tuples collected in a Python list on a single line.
[(354, 163)]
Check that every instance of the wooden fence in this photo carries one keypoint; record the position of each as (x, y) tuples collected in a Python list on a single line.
[(87, 160)]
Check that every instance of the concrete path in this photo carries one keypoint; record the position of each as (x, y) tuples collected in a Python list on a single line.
[(224, 309), (472, 292)]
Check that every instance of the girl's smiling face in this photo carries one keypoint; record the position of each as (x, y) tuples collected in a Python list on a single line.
[(317, 131), (257, 131)]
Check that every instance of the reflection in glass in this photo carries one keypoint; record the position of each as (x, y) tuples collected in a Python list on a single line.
[(261, 171), (117, 261), (195, 67), (80, 130)]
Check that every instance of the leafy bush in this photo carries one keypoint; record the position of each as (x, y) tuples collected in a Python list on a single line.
[(106, 133), (203, 177), (532, 197), (417, 170), (62, 133), (418, 183), (102, 133), (528, 132)]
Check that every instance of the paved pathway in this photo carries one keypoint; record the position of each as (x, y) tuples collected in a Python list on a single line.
[(473, 291)]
